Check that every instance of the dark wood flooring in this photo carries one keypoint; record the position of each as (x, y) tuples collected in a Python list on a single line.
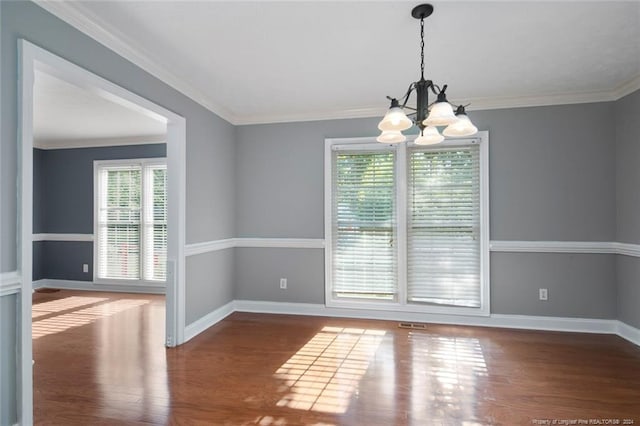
[(100, 360)]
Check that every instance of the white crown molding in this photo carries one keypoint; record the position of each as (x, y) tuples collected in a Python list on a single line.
[(83, 20), (596, 247), (62, 237), (10, 283), (209, 246), (209, 320), (307, 243), (627, 88), (97, 142)]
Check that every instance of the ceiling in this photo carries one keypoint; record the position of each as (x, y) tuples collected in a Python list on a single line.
[(67, 116), (254, 62)]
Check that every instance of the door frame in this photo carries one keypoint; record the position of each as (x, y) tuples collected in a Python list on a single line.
[(30, 59)]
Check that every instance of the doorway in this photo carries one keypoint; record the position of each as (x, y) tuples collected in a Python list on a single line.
[(35, 59)]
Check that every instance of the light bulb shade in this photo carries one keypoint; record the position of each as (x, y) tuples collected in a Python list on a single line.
[(441, 114), (391, 136), (395, 120), (429, 136), (462, 127)]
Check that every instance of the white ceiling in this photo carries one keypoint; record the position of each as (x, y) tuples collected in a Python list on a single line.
[(282, 61), (67, 116)]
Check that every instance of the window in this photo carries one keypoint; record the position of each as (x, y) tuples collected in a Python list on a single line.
[(407, 226), (131, 221)]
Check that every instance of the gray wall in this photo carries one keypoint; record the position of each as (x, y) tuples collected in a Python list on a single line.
[(210, 148), (8, 315), (63, 203), (551, 177), (63, 185), (627, 128)]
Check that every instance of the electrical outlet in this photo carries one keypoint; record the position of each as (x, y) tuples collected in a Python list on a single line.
[(85, 267), (283, 283), (544, 294)]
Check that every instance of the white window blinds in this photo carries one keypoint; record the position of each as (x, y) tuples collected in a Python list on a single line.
[(119, 222), (443, 233), (364, 261), (155, 223), (131, 221)]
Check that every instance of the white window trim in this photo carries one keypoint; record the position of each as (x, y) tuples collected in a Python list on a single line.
[(97, 164), (401, 304)]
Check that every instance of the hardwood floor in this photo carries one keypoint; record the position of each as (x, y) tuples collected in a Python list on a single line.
[(100, 360)]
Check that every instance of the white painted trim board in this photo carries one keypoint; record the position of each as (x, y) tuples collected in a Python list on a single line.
[(524, 322), (209, 320), (62, 237), (495, 246), (10, 283), (91, 286)]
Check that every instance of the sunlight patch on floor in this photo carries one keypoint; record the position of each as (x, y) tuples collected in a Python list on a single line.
[(63, 322), (72, 302), (323, 375)]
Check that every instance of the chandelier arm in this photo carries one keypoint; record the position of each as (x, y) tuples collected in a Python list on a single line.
[(435, 89), (412, 86)]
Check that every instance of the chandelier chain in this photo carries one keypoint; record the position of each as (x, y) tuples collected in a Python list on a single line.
[(422, 48)]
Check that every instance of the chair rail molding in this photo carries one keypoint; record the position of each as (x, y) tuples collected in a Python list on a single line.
[(10, 283)]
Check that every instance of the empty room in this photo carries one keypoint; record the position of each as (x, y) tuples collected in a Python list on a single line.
[(320, 213)]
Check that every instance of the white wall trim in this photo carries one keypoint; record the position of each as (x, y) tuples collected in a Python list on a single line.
[(598, 247), (10, 283), (62, 237), (208, 320), (628, 332), (85, 21), (494, 320), (627, 249), (310, 243), (209, 246), (593, 247), (91, 286), (498, 246), (215, 245), (524, 322), (47, 144)]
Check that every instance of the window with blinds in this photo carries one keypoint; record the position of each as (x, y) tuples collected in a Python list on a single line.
[(443, 226), (131, 221), (407, 226), (364, 263)]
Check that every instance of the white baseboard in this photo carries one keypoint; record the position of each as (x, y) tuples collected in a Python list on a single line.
[(91, 286), (628, 332), (525, 322), (209, 320)]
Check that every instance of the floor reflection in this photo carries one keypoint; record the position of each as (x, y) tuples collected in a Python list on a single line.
[(131, 365), (444, 375), (324, 373), (62, 315)]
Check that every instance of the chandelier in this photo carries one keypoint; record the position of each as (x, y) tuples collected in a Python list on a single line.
[(427, 117)]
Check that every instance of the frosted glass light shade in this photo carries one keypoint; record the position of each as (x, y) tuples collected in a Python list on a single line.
[(429, 136), (462, 127), (441, 114), (391, 136), (395, 120)]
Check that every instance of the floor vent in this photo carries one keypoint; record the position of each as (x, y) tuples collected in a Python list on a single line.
[(413, 325)]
